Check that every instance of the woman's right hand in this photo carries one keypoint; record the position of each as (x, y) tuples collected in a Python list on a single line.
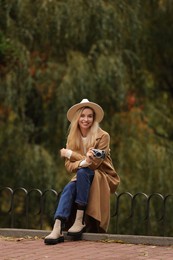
[(63, 152)]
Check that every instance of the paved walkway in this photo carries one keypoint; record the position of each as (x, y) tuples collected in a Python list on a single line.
[(30, 248)]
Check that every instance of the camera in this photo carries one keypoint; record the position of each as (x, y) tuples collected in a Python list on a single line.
[(99, 153)]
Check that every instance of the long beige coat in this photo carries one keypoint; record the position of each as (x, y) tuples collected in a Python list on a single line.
[(105, 181)]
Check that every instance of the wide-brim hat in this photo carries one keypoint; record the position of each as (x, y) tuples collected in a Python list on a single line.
[(86, 103)]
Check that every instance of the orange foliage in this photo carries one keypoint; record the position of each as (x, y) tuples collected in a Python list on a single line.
[(4, 112), (131, 101), (135, 119)]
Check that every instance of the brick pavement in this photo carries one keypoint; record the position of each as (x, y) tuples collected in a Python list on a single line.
[(34, 248)]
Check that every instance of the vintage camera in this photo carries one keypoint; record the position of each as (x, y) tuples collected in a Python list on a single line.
[(99, 153)]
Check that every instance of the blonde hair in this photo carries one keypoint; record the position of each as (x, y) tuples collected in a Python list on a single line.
[(74, 139)]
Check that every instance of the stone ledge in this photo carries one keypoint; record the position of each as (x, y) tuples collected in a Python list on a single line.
[(128, 239)]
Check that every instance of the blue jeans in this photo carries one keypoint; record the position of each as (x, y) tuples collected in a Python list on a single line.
[(75, 191)]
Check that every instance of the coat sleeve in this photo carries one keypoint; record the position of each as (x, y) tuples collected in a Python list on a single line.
[(76, 157), (72, 164), (102, 143)]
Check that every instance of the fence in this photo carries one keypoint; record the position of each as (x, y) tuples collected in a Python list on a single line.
[(139, 214)]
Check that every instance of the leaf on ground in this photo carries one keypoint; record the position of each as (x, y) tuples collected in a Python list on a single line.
[(112, 241)]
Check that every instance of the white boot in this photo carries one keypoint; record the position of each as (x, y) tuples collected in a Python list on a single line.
[(79, 225), (56, 235)]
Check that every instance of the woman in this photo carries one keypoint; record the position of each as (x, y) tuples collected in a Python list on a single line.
[(89, 190)]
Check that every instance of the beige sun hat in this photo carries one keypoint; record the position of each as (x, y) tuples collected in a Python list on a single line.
[(86, 103)]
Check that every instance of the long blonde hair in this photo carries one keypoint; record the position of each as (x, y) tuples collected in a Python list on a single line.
[(74, 139)]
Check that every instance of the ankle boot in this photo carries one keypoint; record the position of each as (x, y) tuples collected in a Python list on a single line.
[(55, 236), (79, 225)]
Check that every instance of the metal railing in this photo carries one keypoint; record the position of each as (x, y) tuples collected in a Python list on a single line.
[(21, 208), (139, 214), (143, 214)]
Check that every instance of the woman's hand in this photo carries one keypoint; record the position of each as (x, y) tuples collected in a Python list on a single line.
[(63, 152), (89, 155)]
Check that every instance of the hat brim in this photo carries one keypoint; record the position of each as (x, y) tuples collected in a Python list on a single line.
[(97, 109)]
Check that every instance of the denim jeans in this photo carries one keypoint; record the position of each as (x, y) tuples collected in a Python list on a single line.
[(75, 191)]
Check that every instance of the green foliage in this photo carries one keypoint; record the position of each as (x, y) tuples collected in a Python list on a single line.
[(142, 154), (24, 164)]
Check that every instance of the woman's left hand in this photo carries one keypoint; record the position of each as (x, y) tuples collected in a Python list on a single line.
[(89, 155)]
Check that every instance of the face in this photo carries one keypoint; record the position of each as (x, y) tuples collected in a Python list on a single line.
[(86, 119)]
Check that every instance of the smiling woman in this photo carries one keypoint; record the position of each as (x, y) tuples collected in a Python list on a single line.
[(86, 120), (94, 175)]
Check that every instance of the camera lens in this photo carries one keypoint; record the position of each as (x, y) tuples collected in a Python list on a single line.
[(98, 154)]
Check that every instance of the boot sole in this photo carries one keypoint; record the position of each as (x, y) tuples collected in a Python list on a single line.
[(52, 241), (76, 234)]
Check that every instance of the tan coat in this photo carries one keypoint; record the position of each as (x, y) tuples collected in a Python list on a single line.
[(105, 181)]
